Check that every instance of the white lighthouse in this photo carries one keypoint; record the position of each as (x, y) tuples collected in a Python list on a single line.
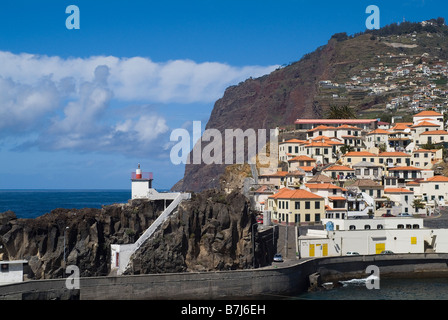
[(141, 184)]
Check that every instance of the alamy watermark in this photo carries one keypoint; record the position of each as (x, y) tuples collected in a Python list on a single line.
[(373, 280), (72, 281), (216, 147)]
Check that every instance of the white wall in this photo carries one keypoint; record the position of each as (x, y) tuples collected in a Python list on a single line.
[(365, 242), (14, 274), (140, 189)]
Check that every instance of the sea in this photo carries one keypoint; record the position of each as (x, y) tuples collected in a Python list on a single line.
[(404, 289), (34, 203)]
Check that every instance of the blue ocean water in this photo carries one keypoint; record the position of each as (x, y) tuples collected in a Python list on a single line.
[(389, 289), (34, 203)]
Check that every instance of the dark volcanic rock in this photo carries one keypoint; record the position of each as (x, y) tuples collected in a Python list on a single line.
[(212, 231), (88, 236)]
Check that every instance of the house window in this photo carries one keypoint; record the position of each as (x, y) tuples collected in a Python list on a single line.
[(307, 205), (307, 217), (297, 218), (367, 227), (317, 217), (437, 187), (379, 226), (317, 205), (352, 227), (5, 267), (349, 159), (297, 205)]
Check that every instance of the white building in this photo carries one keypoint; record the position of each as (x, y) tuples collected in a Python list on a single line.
[(371, 236), (11, 271)]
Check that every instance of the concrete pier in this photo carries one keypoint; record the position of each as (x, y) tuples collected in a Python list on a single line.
[(290, 279)]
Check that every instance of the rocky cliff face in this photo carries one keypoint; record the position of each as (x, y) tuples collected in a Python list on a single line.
[(266, 102), (210, 232), (88, 235)]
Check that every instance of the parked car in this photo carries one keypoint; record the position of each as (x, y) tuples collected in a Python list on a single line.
[(387, 215), (404, 214), (352, 253), (278, 257), (386, 252)]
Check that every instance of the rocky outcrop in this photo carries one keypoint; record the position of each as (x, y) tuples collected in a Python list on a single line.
[(86, 233), (212, 231)]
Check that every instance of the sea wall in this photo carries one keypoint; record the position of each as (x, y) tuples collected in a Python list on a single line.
[(287, 280)]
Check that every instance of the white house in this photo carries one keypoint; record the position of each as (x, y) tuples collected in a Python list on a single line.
[(402, 200), (370, 236), (11, 271), (434, 190)]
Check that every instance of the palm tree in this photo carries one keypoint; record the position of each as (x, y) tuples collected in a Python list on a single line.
[(340, 112)]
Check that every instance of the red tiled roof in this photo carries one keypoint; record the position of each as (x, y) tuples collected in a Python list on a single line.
[(302, 158), (394, 154), (435, 132), (425, 124), (427, 113), (397, 190), (437, 179), (339, 168), (359, 154), (405, 168), (294, 194), (321, 186)]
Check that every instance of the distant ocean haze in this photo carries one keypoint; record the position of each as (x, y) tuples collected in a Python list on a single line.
[(34, 203)]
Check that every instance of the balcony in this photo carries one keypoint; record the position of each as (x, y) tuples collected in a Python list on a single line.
[(145, 176)]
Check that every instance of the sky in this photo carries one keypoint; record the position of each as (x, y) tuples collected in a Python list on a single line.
[(80, 107)]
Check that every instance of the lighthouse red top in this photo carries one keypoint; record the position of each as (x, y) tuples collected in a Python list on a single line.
[(139, 175)]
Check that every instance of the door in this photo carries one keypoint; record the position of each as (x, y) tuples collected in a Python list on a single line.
[(325, 249), (380, 247), (311, 250)]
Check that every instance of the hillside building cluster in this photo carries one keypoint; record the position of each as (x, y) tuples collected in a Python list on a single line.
[(351, 174)]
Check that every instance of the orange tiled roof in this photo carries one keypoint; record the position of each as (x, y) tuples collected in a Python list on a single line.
[(405, 168), (435, 132), (378, 131), (302, 158), (393, 154), (425, 124), (427, 113), (294, 194), (321, 127), (437, 179), (317, 144), (321, 186), (359, 154), (397, 190), (339, 168)]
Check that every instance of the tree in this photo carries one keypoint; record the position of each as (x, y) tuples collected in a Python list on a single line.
[(418, 204), (340, 112), (346, 148)]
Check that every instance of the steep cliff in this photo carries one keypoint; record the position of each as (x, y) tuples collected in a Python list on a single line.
[(293, 92), (86, 233), (212, 231)]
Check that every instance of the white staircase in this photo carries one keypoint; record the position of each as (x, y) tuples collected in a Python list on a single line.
[(121, 254)]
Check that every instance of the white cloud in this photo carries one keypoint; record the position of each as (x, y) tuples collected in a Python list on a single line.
[(69, 103)]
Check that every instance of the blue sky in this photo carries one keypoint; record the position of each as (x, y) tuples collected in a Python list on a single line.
[(80, 108)]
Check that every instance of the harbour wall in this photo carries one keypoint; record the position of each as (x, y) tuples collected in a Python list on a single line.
[(270, 281)]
